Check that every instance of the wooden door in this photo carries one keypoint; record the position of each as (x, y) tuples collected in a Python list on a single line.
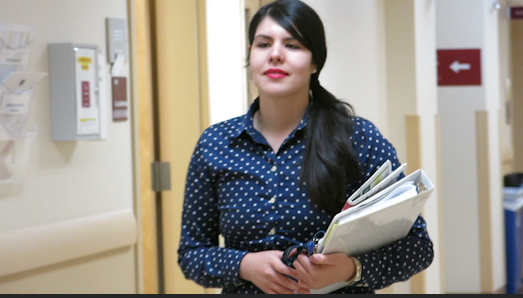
[(516, 41), (169, 61), (179, 47), (145, 145)]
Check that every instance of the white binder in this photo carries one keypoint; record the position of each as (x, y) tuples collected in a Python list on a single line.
[(388, 218)]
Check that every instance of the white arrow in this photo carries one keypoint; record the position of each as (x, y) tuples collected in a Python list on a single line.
[(456, 66)]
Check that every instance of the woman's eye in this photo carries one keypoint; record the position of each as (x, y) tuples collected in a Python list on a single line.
[(263, 45), (293, 46)]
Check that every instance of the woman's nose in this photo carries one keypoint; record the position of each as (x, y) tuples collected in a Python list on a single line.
[(276, 54)]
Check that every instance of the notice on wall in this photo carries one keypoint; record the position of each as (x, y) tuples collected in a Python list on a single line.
[(87, 105), (15, 48)]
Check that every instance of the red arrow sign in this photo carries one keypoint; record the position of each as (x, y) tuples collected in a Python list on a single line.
[(459, 67), (516, 12)]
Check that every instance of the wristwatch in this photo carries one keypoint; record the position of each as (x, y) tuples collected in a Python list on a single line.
[(357, 275)]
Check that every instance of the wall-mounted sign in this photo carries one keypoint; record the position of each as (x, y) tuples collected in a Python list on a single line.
[(459, 67), (516, 12)]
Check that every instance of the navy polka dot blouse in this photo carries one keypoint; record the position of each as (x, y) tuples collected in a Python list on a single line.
[(237, 186)]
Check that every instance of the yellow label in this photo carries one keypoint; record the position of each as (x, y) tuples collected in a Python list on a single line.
[(84, 60)]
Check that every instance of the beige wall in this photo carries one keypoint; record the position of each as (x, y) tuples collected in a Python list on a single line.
[(62, 228)]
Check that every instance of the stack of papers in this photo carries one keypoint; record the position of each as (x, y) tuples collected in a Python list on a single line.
[(383, 217)]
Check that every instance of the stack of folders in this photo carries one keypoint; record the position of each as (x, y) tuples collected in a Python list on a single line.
[(380, 212)]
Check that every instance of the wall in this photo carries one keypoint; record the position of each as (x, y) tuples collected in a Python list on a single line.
[(471, 158), (354, 70), (226, 64), (69, 227), (411, 88)]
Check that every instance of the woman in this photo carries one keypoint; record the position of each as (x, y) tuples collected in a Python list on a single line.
[(275, 176)]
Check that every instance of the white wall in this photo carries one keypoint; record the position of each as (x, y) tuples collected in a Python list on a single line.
[(69, 182), (411, 94), (354, 71), (478, 29), (226, 48)]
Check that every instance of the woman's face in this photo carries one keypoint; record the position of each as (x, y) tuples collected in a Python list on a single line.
[(280, 65)]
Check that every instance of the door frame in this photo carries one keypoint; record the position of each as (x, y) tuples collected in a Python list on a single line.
[(170, 112)]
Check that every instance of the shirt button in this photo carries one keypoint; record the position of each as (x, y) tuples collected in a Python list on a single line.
[(272, 200), (274, 168), (272, 232)]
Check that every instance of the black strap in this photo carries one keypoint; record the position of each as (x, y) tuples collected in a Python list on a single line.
[(309, 247)]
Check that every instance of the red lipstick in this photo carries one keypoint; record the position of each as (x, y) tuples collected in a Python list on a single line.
[(275, 73)]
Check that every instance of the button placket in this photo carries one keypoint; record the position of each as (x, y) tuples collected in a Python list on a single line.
[(273, 196), (274, 169)]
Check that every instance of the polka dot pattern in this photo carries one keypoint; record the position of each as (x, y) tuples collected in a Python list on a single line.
[(237, 186)]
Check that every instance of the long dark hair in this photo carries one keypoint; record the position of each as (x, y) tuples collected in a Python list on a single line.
[(329, 162)]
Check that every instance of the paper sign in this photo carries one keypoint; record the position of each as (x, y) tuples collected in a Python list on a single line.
[(15, 104), (88, 113), (118, 66)]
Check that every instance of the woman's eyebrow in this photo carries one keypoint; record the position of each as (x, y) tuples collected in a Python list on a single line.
[(268, 37)]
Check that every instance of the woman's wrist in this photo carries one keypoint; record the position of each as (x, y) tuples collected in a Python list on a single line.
[(356, 277), (244, 269)]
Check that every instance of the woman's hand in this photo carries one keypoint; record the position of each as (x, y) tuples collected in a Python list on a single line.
[(266, 270), (318, 270)]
